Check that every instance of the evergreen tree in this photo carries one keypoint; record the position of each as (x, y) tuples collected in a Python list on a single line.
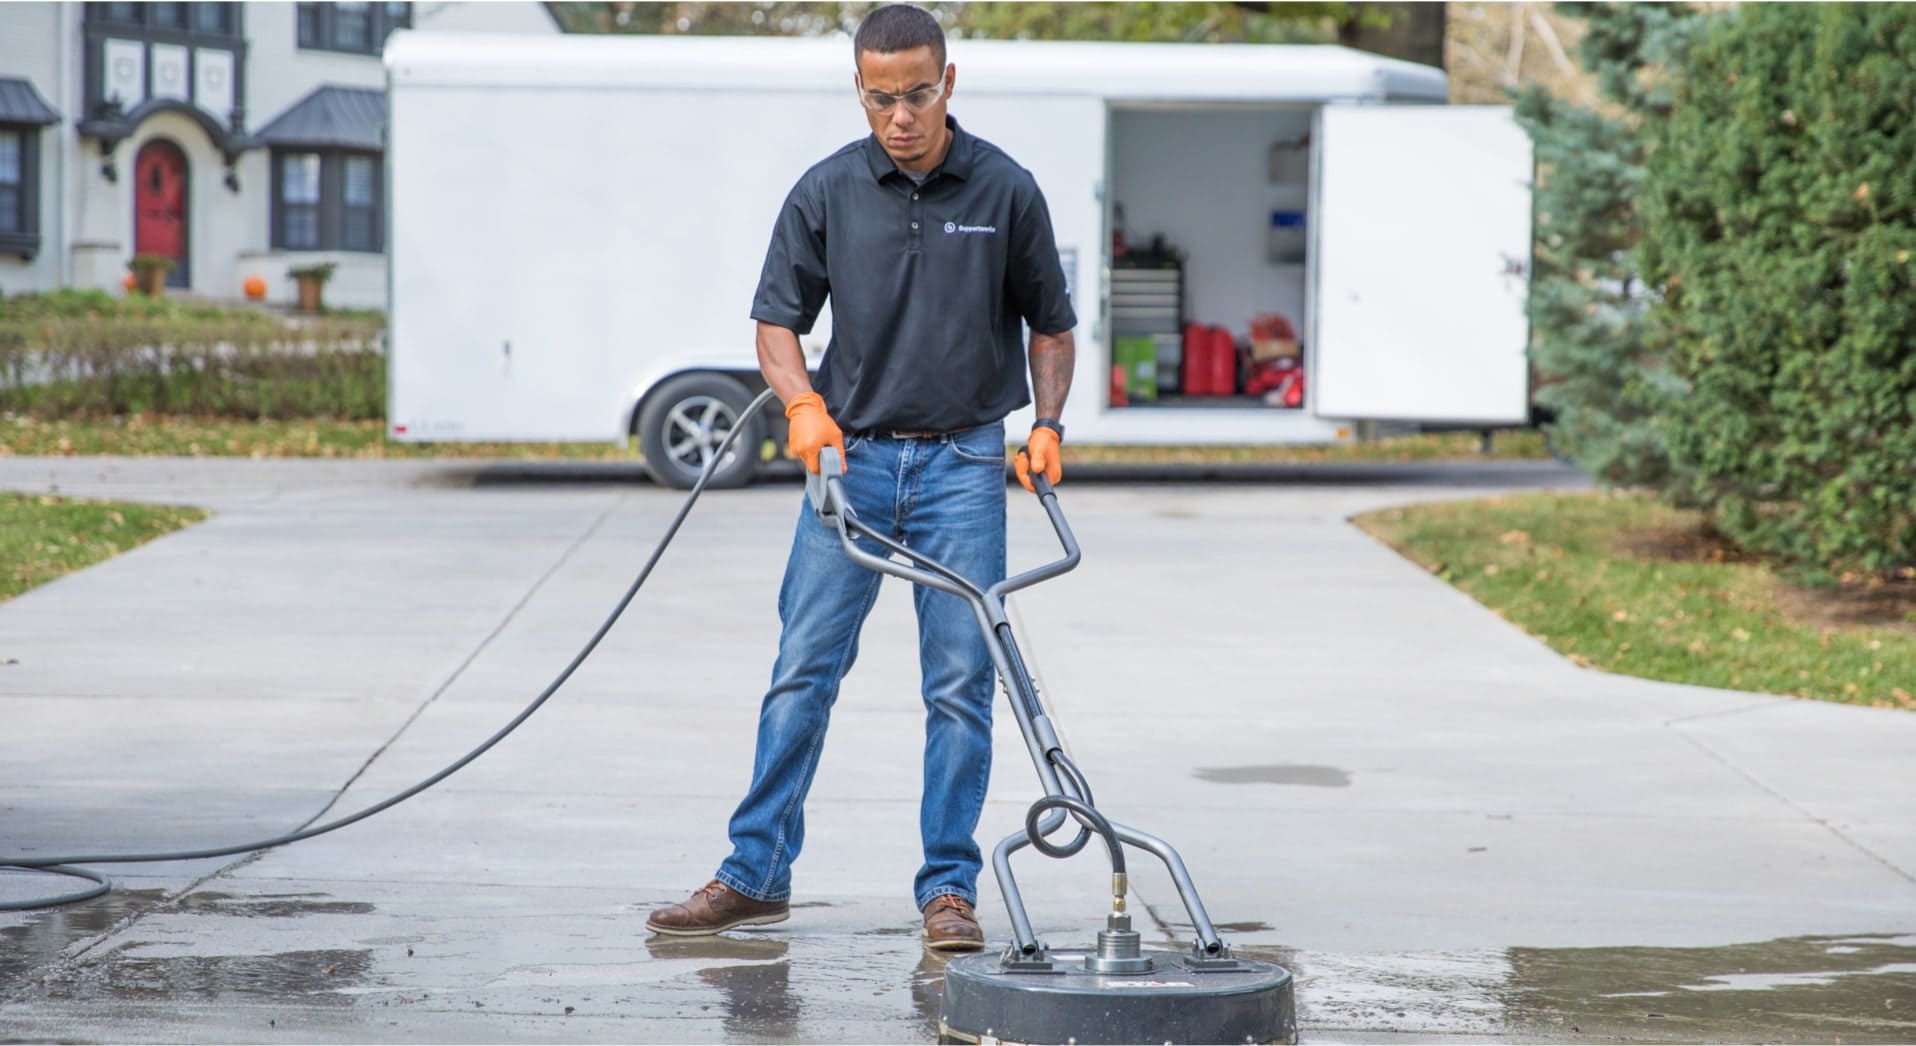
[(1604, 376)]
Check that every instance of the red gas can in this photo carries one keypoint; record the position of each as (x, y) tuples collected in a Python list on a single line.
[(1222, 363), (1197, 348)]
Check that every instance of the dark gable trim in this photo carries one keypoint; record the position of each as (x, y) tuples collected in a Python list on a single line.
[(113, 125), (106, 120)]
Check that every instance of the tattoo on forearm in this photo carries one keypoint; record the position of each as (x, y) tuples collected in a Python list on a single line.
[(1052, 358)]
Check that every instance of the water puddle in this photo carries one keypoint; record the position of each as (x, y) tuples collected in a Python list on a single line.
[(323, 978), (1798, 989), (35, 953), (269, 906), (739, 948), (38, 939), (758, 1001)]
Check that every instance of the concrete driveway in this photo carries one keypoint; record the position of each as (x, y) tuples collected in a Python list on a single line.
[(1444, 829)]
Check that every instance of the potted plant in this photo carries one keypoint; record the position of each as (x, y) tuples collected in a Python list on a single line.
[(311, 279), (149, 273)]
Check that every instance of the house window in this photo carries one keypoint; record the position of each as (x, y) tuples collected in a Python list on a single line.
[(213, 19), (356, 28), (13, 182), (171, 20), (19, 190), (360, 205), (299, 201), (327, 201)]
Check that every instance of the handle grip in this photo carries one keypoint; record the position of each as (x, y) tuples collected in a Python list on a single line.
[(818, 484), (1040, 483)]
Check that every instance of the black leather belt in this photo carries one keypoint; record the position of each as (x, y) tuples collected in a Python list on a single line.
[(901, 434)]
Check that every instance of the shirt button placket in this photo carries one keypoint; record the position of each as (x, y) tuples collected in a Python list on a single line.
[(917, 223)]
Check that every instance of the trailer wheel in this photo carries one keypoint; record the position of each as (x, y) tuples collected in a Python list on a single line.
[(683, 422)]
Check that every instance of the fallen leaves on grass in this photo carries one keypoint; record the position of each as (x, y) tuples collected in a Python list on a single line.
[(1640, 589), (43, 537)]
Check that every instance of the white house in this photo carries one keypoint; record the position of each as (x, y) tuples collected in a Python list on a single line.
[(240, 139)]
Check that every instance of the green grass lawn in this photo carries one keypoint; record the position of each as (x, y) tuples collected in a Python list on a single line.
[(1621, 583), (43, 537), (144, 436)]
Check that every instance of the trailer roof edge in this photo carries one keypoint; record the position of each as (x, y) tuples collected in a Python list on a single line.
[(1136, 71)]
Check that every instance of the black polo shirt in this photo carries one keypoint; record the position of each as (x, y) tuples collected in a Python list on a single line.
[(928, 283)]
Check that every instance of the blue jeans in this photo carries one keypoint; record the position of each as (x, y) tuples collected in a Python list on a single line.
[(945, 497)]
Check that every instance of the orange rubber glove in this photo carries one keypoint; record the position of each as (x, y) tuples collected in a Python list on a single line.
[(813, 430), (1041, 453)]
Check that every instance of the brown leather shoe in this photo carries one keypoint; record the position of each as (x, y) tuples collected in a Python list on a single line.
[(952, 926), (713, 908)]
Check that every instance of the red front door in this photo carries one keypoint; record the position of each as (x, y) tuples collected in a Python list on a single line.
[(159, 205)]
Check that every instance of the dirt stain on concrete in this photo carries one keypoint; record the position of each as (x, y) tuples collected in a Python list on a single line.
[(1278, 774)]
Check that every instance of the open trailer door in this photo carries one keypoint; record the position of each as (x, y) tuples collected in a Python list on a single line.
[(1421, 264)]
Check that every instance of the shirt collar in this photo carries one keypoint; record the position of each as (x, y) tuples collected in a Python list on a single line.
[(958, 158)]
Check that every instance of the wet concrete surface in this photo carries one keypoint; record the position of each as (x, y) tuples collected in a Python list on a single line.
[(487, 965), (1442, 829)]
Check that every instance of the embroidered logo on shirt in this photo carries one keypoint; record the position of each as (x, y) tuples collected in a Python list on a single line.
[(951, 227)]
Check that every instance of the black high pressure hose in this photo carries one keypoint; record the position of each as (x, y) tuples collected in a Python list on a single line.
[(62, 865)]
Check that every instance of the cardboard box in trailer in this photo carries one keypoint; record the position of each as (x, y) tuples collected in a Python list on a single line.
[(578, 223)]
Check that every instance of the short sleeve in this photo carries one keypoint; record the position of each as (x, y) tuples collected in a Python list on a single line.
[(1035, 274), (793, 286)]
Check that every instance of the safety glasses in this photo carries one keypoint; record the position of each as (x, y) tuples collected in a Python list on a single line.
[(916, 101)]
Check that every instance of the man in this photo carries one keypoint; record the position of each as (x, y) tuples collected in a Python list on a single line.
[(933, 246)]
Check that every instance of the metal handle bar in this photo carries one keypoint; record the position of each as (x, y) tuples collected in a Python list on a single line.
[(826, 490), (1048, 497)]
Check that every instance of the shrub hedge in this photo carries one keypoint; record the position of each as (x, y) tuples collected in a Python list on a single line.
[(1779, 227), (91, 354)]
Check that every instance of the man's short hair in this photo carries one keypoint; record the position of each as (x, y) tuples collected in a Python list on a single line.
[(899, 27)]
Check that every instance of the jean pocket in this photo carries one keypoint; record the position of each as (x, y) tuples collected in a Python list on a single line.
[(853, 443), (985, 448)]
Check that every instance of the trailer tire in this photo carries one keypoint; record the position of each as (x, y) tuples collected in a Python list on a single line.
[(682, 422)]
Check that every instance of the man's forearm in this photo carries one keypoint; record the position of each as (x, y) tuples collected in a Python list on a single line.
[(782, 362), (1053, 356)]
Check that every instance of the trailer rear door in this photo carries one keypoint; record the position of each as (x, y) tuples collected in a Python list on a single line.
[(1420, 264)]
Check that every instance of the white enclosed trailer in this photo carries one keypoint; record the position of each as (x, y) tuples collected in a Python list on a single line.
[(577, 226)]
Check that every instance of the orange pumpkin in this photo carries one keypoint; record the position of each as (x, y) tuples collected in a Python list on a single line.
[(129, 283), (255, 287)]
